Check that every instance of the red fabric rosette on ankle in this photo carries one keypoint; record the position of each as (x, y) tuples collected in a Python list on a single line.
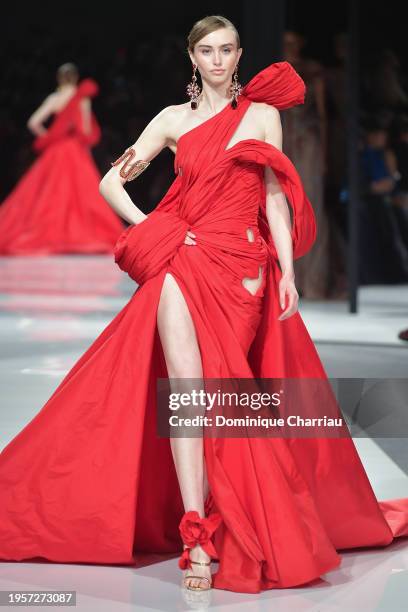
[(196, 530)]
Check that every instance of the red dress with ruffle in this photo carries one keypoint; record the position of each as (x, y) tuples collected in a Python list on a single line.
[(89, 480), (56, 206)]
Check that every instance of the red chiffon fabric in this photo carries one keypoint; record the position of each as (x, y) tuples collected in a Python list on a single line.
[(89, 480), (56, 206)]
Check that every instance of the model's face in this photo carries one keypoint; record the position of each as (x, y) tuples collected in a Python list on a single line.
[(216, 56)]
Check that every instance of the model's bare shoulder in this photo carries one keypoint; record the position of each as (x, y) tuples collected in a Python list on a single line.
[(155, 136), (258, 110), (178, 119), (52, 102), (165, 124), (262, 115), (160, 123), (180, 110), (47, 107), (270, 113), (272, 126), (52, 98)]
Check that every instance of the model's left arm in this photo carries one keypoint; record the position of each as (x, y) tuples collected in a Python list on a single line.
[(86, 110), (278, 215)]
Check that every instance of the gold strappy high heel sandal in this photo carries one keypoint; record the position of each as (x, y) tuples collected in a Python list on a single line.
[(196, 530), (197, 588)]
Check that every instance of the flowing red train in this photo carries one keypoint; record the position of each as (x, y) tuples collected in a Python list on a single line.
[(88, 479)]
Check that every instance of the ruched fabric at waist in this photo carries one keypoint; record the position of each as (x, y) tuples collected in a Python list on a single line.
[(143, 249), (233, 247)]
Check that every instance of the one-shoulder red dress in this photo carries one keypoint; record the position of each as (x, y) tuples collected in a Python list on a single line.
[(89, 480), (56, 206)]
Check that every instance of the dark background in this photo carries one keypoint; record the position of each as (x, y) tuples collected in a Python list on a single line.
[(136, 52)]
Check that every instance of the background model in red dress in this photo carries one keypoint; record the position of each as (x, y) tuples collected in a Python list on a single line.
[(56, 206)]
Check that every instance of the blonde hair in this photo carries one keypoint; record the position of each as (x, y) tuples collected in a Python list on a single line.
[(67, 73), (207, 25)]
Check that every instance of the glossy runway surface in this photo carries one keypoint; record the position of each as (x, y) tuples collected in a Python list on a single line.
[(52, 308)]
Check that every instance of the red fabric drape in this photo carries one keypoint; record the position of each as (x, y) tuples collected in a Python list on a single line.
[(88, 479)]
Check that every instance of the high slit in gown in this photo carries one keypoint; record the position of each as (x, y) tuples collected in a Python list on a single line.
[(88, 479)]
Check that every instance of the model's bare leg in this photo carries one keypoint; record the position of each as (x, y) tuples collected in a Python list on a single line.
[(183, 360)]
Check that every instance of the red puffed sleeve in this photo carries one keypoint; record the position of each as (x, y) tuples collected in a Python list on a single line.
[(278, 84), (87, 88)]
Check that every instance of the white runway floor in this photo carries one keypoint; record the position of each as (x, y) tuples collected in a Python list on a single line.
[(51, 309)]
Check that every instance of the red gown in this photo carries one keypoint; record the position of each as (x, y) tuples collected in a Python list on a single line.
[(56, 206), (88, 479)]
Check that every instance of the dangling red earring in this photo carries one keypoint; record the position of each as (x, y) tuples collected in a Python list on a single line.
[(235, 88), (193, 90)]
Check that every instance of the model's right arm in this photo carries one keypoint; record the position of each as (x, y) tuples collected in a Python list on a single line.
[(151, 141)]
